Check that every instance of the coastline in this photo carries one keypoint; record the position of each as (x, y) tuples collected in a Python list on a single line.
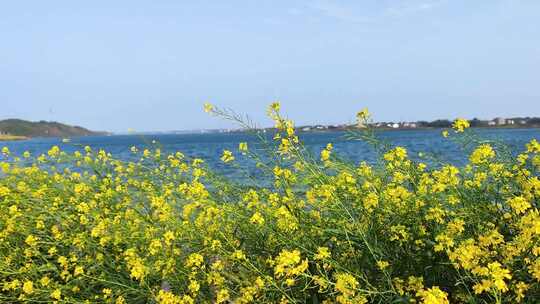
[(418, 128), (12, 138)]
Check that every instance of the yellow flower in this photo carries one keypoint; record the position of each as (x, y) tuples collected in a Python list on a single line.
[(498, 275), (56, 294), (167, 297), (325, 154), (155, 247), (78, 270), (222, 296), (194, 287), (45, 281), (482, 154), (5, 151), (520, 290), (396, 154), (227, 156), (483, 285), (208, 107), (460, 125), (445, 133), (433, 295), (275, 106), (289, 263), (382, 264), (243, 147), (519, 204), (322, 253), (31, 240), (169, 237), (363, 114), (257, 219), (107, 292), (238, 255), (54, 151), (370, 201), (28, 287), (533, 146), (534, 269), (194, 260), (346, 284)]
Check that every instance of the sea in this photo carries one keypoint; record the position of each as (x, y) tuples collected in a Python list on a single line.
[(426, 145)]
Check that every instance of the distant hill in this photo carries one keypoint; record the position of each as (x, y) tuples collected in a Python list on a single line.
[(19, 127)]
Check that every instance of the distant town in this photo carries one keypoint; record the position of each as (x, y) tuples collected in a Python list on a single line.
[(516, 122), (499, 122)]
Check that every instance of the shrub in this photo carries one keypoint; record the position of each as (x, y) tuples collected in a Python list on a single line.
[(87, 227)]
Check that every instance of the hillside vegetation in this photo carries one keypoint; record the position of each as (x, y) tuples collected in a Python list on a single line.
[(18, 127)]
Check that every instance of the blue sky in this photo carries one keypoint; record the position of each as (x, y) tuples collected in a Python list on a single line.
[(150, 65)]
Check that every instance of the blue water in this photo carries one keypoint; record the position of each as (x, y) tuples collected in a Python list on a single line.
[(209, 146)]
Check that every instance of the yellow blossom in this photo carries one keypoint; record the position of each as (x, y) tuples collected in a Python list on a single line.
[(322, 253), (56, 294), (208, 107), (519, 204), (382, 264), (28, 287), (243, 147), (363, 114), (257, 219), (460, 125), (445, 133), (227, 156), (31, 240), (433, 295)]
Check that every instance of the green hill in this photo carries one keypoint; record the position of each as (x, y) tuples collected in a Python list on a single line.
[(19, 127)]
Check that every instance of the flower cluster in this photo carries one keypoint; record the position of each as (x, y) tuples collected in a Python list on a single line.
[(86, 227)]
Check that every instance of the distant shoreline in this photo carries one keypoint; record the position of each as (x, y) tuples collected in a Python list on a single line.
[(476, 127), (6, 138), (313, 130), (12, 138)]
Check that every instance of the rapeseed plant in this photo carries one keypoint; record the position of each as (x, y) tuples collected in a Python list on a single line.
[(86, 227)]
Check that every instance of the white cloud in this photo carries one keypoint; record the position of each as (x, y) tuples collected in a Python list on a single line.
[(358, 13), (337, 11), (411, 7)]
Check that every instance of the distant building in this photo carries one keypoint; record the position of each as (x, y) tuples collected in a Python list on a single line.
[(499, 121), (409, 125), (306, 128)]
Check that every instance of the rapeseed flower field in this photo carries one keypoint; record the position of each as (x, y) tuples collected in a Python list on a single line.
[(86, 227)]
